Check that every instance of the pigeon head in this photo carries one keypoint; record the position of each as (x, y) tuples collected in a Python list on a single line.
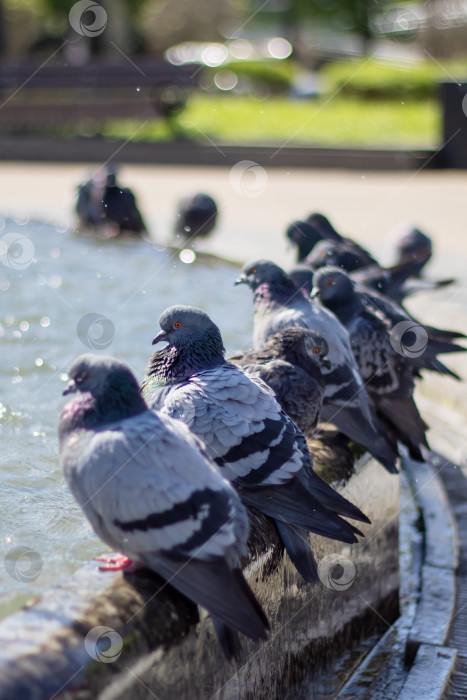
[(111, 176), (298, 343), (264, 272), (196, 215), (414, 246), (112, 386), (303, 235), (324, 254), (333, 286), (192, 332), (324, 226), (302, 276)]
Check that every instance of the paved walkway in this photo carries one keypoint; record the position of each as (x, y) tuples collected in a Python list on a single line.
[(366, 205)]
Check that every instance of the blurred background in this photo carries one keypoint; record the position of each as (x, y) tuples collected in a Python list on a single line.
[(317, 72)]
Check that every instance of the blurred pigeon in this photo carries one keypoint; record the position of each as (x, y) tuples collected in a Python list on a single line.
[(105, 203), (304, 236), (147, 490), (387, 371), (328, 232), (255, 444), (412, 245), (196, 216), (290, 363), (326, 253), (120, 206), (394, 282), (324, 226), (278, 304), (302, 277), (435, 340)]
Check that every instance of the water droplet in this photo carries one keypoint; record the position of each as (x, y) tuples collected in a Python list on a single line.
[(45, 321), (187, 256)]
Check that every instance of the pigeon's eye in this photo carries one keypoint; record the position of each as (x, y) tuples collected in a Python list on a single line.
[(177, 324), (252, 271), (82, 378), (315, 351), (330, 283)]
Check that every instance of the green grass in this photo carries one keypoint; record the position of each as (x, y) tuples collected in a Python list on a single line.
[(343, 121)]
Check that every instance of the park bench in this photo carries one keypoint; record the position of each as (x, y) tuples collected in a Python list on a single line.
[(54, 95)]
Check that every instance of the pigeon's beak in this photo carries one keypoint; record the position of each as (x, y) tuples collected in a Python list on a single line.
[(160, 337), (314, 292), (325, 363), (243, 279), (71, 388)]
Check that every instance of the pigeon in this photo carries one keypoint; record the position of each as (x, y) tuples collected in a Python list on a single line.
[(196, 216), (412, 245), (394, 282), (327, 253), (290, 363), (148, 491), (434, 340), (304, 236), (254, 443), (387, 370), (328, 232), (120, 206), (302, 276), (104, 203), (278, 304)]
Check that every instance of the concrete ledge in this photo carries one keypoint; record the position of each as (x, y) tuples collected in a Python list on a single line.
[(429, 675), (90, 150), (50, 649), (410, 660), (438, 587), (435, 610), (441, 541)]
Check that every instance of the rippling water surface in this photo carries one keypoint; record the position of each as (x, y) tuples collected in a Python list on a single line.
[(49, 284)]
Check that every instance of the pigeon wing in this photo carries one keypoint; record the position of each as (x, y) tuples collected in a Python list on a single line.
[(145, 490), (245, 430)]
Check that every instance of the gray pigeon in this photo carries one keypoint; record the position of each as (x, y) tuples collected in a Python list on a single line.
[(412, 245), (196, 216), (290, 363), (302, 277), (148, 491), (304, 236), (326, 253), (436, 340), (254, 443), (387, 371), (279, 304), (395, 282), (328, 232)]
